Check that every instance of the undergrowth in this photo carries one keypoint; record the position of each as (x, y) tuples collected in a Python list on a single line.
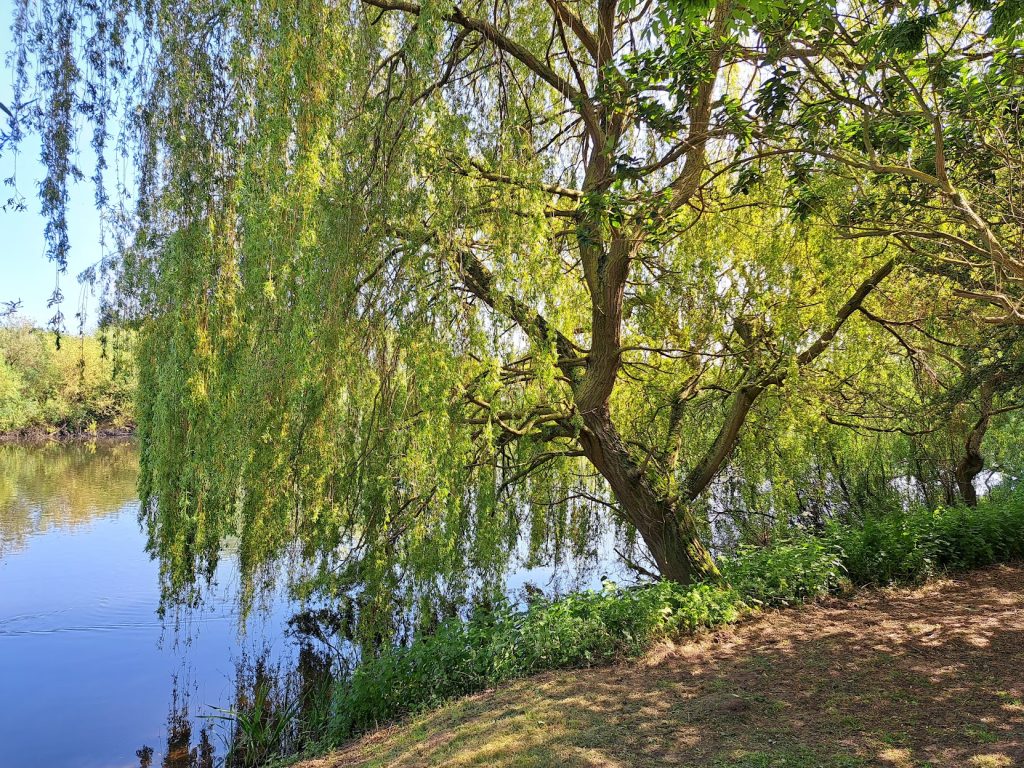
[(589, 628), (596, 627)]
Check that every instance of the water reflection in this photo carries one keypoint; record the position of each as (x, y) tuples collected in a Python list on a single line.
[(179, 752), (50, 486), (87, 667), (279, 707), (90, 674)]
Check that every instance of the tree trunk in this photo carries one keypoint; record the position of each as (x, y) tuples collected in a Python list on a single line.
[(972, 462), (677, 548), (967, 469), (669, 528)]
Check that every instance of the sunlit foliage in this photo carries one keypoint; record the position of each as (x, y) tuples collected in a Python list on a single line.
[(415, 283), (85, 385)]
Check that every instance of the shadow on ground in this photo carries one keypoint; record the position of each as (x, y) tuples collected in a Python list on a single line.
[(902, 678)]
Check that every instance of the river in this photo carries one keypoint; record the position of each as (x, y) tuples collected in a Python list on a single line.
[(91, 675), (89, 671)]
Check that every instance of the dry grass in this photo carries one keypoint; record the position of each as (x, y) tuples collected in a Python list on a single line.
[(899, 678)]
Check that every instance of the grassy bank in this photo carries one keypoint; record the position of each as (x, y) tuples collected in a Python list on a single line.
[(59, 434), (906, 677), (597, 628)]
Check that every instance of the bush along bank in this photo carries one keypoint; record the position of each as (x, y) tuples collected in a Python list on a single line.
[(596, 627)]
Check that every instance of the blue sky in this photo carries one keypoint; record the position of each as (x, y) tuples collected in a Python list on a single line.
[(25, 273)]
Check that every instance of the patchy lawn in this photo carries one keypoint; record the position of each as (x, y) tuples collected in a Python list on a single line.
[(902, 678)]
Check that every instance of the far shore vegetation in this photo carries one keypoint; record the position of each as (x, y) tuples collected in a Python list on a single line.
[(83, 386)]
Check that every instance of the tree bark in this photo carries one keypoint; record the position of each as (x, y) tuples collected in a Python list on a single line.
[(972, 462), (668, 527), (968, 468)]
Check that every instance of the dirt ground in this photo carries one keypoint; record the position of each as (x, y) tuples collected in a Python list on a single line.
[(904, 678)]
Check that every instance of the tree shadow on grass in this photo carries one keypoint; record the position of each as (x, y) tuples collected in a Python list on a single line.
[(925, 677)]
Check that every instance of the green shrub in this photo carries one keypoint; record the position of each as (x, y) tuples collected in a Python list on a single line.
[(589, 628), (884, 550), (583, 629), (16, 409), (909, 547), (787, 572)]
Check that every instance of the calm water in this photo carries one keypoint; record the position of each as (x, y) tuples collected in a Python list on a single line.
[(88, 671)]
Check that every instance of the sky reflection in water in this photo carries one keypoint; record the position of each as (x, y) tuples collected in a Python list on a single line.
[(87, 668)]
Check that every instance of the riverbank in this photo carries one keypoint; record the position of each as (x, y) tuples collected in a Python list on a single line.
[(590, 629), (890, 677), (57, 435)]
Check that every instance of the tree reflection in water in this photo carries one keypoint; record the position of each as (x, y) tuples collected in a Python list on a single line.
[(180, 753), (62, 486), (277, 710)]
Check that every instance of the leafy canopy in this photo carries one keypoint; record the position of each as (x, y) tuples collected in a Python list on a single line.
[(413, 279)]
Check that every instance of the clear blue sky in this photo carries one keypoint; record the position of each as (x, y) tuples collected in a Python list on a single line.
[(25, 273)]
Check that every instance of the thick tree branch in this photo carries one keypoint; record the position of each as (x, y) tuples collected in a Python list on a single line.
[(571, 20), (480, 282), (689, 179), (501, 178), (707, 468)]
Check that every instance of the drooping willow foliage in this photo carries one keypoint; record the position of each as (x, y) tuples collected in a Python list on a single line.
[(415, 281)]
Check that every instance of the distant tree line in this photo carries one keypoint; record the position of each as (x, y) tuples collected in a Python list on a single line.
[(84, 386)]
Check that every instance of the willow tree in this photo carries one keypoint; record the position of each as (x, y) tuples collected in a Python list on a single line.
[(911, 112), (915, 109), (411, 276)]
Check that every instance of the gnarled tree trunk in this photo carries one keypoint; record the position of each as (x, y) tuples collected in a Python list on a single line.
[(668, 527), (972, 462)]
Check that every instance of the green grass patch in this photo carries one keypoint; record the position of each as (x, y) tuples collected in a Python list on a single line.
[(596, 627)]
